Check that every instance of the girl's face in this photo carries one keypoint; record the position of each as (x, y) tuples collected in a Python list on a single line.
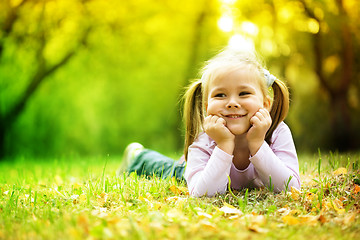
[(235, 97)]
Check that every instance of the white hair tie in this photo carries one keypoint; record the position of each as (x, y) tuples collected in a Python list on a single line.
[(270, 79)]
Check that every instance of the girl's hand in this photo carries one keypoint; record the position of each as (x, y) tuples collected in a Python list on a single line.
[(215, 127), (260, 122)]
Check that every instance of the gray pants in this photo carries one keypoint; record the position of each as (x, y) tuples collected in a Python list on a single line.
[(150, 163)]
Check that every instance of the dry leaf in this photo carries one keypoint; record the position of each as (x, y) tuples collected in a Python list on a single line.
[(338, 206), (309, 196), (102, 198), (203, 215), (205, 225), (340, 171), (228, 209), (295, 193), (257, 229), (290, 220), (308, 220), (356, 189), (179, 190), (322, 219)]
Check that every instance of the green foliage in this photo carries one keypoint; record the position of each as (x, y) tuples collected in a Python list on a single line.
[(77, 198), (132, 59)]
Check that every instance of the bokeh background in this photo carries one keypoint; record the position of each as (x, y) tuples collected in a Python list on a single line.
[(86, 77)]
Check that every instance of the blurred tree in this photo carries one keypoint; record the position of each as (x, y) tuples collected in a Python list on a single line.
[(113, 91), (314, 44), (334, 44), (33, 27)]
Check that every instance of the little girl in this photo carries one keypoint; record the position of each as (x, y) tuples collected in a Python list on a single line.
[(234, 130)]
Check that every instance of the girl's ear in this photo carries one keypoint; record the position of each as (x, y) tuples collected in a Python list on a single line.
[(267, 103)]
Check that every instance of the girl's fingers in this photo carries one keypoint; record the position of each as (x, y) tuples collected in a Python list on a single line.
[(262, 116)]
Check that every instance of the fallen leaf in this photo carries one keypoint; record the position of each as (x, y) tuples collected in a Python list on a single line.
[(295, 212), (257, 229), (203, 215), (340, 171), (290, 220), (356, 189), (322, 219), (179, 190), (295, 193), (309, 196), (228, 209), (338, 206), (205, 225), (102, 199), (308, 220)]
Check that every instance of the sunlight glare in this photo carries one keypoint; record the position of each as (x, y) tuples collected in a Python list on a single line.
[(226, 23), (249, 28), (241, 43), (228, 1)]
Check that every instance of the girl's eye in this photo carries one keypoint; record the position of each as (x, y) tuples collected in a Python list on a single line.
[(243, 93), (220, 95)]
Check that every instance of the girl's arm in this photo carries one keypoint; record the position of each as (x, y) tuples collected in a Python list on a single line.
[(207, 168), (278, 161)]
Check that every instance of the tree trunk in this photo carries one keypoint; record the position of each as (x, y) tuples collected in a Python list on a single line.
[(342, 137)]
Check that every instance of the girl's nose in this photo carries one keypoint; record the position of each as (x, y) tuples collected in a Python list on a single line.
[(232, 104)]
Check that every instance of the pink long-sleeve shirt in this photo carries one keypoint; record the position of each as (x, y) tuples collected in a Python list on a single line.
[(208, 167)]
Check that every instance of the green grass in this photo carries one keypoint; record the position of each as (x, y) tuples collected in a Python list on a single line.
[(81, 198)]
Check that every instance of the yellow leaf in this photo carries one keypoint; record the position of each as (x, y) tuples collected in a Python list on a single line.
[(257, 229), (295, 212), (308, 220), (179, 190), (228, 209), (340, 171), (205, 225), (102, 198), (338, 206), (295, 193), (203, 215), (310, 196), (290, 220)]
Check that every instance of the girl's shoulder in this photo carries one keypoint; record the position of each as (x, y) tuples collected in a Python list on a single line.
[(281, 131), (282, 127)]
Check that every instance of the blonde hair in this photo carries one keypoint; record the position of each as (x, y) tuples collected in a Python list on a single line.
[(195, 97)]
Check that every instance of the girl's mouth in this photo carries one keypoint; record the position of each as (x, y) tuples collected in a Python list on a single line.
[(235, 116)]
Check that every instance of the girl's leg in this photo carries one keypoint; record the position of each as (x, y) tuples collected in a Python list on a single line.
[(150, 163)]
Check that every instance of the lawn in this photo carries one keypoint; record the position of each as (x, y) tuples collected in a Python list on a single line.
[(82, 198)]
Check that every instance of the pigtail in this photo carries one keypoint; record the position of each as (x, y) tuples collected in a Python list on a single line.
[(280, 107), (193, 113)]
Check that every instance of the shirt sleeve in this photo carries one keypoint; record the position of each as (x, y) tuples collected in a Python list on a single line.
[(207, 170), (277, 165)]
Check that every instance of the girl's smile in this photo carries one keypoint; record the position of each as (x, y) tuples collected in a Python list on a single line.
[(235, 97)]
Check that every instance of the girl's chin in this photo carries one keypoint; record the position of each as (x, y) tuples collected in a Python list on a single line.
[(239, 130)]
